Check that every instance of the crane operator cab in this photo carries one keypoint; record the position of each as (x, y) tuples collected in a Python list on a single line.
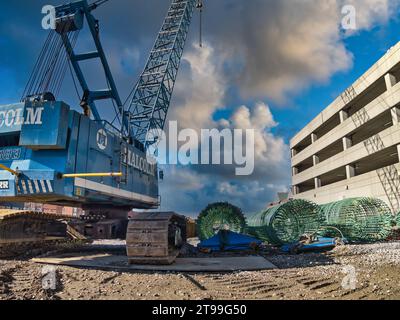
[(43, 141)]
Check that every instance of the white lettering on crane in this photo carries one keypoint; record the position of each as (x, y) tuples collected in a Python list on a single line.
[(15, 117), (140, 163), (2, 118), (19, 117), (34, 116), (10, 118)]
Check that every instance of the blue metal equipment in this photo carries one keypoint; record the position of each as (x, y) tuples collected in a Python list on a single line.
[(318, 245), (54, 155)]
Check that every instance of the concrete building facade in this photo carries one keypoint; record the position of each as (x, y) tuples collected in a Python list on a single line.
[(352, 148)]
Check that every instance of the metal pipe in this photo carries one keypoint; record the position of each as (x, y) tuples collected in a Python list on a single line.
[(92, 175), (15, 173)]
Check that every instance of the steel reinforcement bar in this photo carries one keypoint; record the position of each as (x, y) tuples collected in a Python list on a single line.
[(286, 223), (359, 219)]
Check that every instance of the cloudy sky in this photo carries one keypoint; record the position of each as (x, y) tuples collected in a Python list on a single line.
[(266, 64)]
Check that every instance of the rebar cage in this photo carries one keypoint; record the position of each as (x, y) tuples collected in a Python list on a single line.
[(220, 216), (286, 223), (359, 219)]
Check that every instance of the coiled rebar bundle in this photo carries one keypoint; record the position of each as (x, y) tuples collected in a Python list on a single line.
[(397, 219), (286, 223), (220, 216), (359, 219)]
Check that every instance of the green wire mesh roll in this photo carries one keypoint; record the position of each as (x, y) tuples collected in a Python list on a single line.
[(220, 216), (397, 220), (395, 223), (286, 223), (359, 219)]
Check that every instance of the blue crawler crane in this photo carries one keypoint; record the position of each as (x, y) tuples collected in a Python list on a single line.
[(50, 153)]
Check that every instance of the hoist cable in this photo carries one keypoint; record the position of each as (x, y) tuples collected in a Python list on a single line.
[(49, 71), (29, 85)]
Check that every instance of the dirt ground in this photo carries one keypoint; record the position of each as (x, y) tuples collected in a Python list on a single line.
[(348, 272)]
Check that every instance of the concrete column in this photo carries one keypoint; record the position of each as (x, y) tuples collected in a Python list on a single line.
[(295, 171), (294, 152), (347, 143), (344, 115), (314, 138), (318, 183), (390, 81), (395, 115), (315, 160), (350, 171), (296, 190)]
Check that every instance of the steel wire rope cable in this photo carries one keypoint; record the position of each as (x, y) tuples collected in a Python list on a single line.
[(34, 82), (64, 63), (48, 71), (36, 68), (54, 76), (50, 68)]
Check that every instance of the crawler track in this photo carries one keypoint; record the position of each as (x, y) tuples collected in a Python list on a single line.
[(23, 231), (31, 249)]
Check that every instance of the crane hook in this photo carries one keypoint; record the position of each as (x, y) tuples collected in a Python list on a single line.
[(200, 7)]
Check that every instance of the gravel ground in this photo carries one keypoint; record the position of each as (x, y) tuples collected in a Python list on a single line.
[(348, 272)]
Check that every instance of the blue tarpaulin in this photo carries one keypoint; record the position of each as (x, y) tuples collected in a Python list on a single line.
[(226, 240)]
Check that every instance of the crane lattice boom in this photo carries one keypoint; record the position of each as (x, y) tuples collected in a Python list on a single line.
[(152, 95)]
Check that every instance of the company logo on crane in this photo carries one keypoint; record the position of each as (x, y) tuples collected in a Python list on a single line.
[(102, 139), (15, 117)]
